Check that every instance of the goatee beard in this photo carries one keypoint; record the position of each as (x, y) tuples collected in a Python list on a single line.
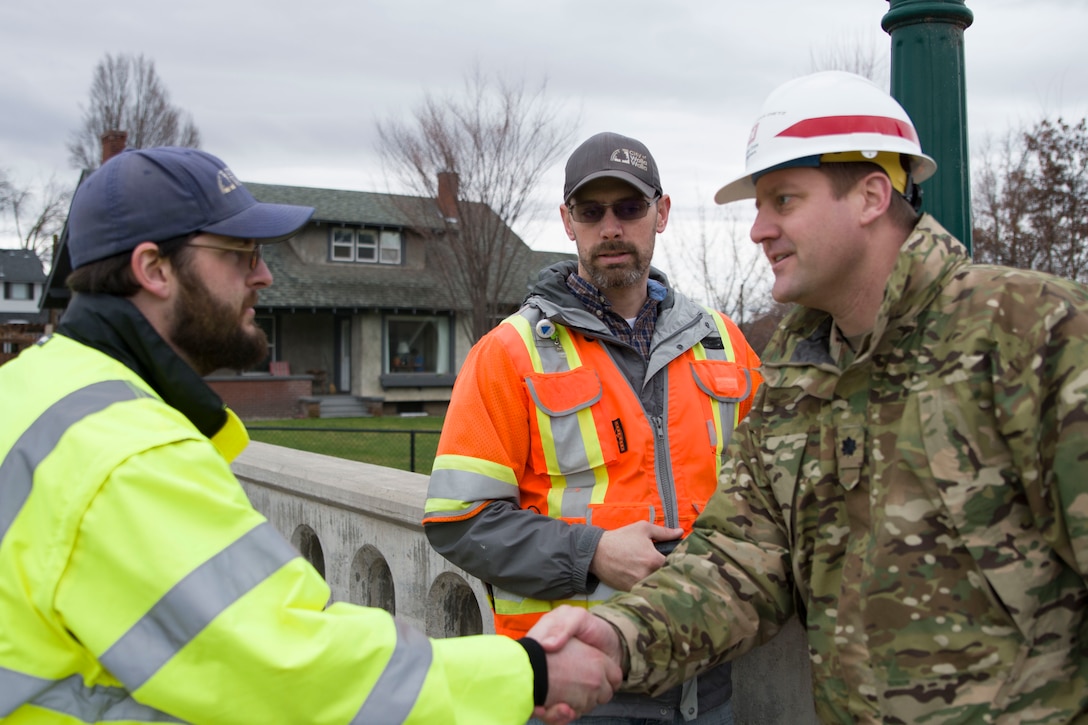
[(604, 277)]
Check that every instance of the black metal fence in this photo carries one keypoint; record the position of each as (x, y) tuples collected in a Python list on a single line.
[(408, 450)]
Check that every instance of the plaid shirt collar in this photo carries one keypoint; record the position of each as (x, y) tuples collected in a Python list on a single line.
[(638, 336)]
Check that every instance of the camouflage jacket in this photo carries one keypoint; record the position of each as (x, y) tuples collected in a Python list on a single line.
[(924, 510)]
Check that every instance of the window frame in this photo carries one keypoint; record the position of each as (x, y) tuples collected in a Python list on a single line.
[(10, 287), (366, 245), (443, 372)]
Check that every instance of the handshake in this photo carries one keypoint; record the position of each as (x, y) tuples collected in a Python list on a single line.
[(584, 658)]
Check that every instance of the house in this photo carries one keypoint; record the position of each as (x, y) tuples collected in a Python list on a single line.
[(359, 305), (22, 287), (359, 302)]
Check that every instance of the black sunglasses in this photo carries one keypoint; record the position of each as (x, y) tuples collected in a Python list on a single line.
[(626, 210)]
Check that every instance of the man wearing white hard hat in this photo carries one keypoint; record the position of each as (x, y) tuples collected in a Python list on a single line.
[(911, 479)]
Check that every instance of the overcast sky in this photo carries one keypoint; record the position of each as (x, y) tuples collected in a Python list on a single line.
[(289, 92)]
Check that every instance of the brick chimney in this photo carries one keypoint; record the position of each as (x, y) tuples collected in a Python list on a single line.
[(113, 143), (447, 194)]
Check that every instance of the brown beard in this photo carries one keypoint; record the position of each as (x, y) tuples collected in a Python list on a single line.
[(210, 333), (612, 277)]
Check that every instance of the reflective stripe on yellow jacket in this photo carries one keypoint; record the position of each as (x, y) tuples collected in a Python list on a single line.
[(137, 583), (594, 456)]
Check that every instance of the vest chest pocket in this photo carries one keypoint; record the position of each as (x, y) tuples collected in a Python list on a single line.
[(566, 438), (726, 382)]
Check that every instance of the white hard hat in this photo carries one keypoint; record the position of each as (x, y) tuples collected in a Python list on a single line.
[(831, 112)]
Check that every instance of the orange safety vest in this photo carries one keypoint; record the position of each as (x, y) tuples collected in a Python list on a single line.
[(595, 457)]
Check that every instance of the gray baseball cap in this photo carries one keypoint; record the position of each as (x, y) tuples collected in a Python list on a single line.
[(612, 155)]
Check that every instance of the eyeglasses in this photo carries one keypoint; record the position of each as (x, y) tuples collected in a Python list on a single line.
[(626, 210), (252, 255)]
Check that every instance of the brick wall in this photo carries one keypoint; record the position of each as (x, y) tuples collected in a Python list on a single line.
[(17, 338), (261, 396)]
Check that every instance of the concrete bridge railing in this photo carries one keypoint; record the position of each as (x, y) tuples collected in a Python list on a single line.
[(359, 525)]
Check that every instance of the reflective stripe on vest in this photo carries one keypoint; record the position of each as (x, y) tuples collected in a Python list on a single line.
[(397, 689), (720, 435), (462, 481), (179, 616), (579, 446), (71, 697), (39, 440), (184, 611)]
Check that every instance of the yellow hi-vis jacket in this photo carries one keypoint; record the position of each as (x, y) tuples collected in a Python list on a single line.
[(138, 584), (542, 415)]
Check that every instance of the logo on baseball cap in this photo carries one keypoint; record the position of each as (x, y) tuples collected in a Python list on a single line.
[(151, 195), (612, 155)]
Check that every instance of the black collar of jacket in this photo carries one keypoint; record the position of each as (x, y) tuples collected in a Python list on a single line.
[(113, 325)]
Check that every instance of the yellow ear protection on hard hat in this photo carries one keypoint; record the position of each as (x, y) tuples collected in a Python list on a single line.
[(891, 162), (884, 159), (894, 166)]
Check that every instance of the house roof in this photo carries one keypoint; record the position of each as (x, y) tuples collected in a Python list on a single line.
[(21, 265), (301, 285), (345, 286), (349, 207), (304, 286)]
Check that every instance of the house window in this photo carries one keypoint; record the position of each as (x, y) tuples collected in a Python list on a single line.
[(18, 291), (365, 245), (390, 252), (343, 245), (417, 344)]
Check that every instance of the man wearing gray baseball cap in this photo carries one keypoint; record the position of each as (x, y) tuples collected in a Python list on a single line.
[(137, 582), (606, 400)]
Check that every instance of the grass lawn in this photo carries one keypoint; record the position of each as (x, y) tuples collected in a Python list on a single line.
[(383, 441)]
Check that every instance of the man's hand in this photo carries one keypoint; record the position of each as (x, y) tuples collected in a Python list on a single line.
[(627, 555), (583, 662), (564, 623)]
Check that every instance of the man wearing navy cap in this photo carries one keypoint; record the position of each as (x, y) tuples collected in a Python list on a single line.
[(137, 582)]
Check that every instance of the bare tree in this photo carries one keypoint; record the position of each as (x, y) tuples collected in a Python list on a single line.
[(491, 146), (721, 268), (127, 95), (860, 54), (1031, 200), (36, 213), (7, 189), (999, 204)]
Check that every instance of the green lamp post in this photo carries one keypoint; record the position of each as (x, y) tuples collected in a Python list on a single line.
[(927, 78)]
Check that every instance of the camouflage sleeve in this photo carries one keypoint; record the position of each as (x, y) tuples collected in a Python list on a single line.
[(1041, 396), (725, 589)]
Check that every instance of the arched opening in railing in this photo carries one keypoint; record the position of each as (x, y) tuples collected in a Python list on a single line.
[(305, 540), (452, 608), (371, 582)]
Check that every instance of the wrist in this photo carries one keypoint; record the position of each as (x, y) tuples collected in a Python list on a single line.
[(538, 660)]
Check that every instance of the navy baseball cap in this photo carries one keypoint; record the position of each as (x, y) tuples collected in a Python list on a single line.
[(612, 155), (152, 195)]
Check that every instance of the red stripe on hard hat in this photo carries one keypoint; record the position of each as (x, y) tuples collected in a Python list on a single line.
[(836, 125)]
